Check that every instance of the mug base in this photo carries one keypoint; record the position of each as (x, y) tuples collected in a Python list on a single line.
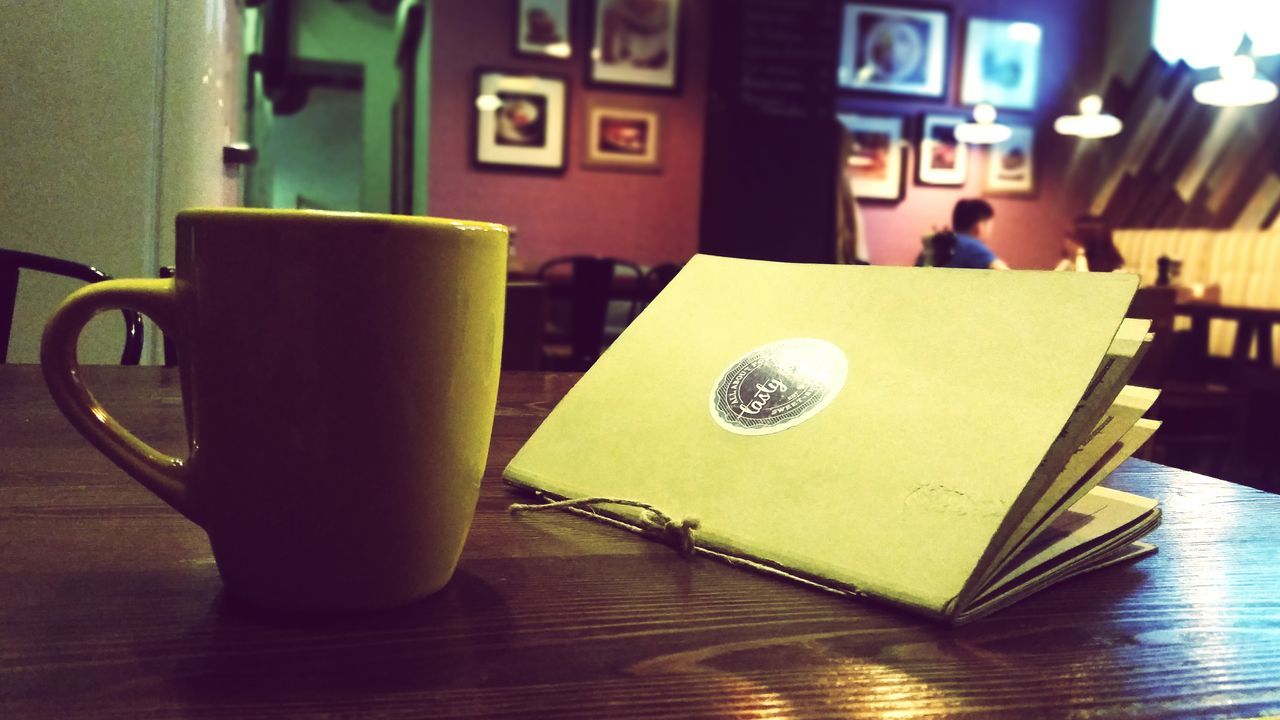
[(320, 604)]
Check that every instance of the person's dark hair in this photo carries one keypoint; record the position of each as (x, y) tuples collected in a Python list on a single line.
[(941, 247), (1094, 235), (968, 213)]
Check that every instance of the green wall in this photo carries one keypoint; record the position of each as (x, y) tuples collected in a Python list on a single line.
[(353, 32), (348, 32)]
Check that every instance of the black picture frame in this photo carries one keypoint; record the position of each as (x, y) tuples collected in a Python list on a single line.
[(497, 143), (520, 43), (928, 74), (599, 76), (1000, 178), (887, 128), (928, 169)]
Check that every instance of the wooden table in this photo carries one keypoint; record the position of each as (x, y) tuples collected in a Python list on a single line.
[(111, 607)]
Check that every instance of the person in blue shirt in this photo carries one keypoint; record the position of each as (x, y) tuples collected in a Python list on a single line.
[(973, 222)]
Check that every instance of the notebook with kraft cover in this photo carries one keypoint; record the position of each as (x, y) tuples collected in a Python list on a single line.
[(927, 437)]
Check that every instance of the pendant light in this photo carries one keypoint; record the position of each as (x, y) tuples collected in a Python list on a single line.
[(1091, 122), (1239, 86), (984, 130)]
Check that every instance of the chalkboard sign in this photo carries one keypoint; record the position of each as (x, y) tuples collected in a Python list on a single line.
[(772, 139), (788, 57)]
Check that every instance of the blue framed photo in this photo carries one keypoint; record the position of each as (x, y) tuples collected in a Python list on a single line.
[(1001, 63), (894, 50)]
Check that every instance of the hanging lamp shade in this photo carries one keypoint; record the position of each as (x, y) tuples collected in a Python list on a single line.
[(984, 130), (1239, 87), (1091, 122)]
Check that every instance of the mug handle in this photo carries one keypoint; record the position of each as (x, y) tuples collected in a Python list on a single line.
[(166, 476)]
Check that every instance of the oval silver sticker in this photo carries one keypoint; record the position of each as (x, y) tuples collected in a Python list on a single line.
[(778, 386)]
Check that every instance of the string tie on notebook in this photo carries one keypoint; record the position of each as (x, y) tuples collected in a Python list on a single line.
[(653, 521)]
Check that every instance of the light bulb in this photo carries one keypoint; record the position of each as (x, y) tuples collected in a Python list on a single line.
[(984, 113), (1240, 67), (1090, 105)]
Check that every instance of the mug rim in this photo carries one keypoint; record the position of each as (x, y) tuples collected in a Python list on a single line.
[(224, 214)]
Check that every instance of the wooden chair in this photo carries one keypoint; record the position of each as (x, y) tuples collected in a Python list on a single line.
[(657, 279), (1157, 305), (11, 261), (1252, 458), (1197, 416), (524, 326), (589, 287), (170, 349)]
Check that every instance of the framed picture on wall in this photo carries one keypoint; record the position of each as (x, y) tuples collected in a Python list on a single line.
[(635, 44), (520, 120), (623, 136), (875, 166), (542, 28), (943, 160), (1011, 164), (1001, 63), (899, 50)]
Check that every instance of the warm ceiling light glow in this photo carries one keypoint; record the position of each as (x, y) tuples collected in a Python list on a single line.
[(1239, 86), (984, 130), (1191, 31), (1264, 30), (1025, 32), (560, 49), (1091, 122), (1204, 34)]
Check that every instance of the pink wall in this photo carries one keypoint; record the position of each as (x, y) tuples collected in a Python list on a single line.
[(1028, 230), (647, 218)]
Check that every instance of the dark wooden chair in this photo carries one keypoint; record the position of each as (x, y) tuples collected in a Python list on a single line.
[(525, 325), (170, 349), (588, 287), (1157, 305), (657, 279), (1253, 458), (1198, 415), (11, 261)]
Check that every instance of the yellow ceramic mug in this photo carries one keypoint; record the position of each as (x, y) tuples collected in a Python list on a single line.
[(339, 376)]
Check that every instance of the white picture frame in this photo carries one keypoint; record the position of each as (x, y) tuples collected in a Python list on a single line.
[(894, 49), (520, 120), (1011, 167), (1001, 63), (943, 160), (876, 166), (543, 29), (635, 45)]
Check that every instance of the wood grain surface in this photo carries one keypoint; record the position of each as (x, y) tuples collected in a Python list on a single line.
[(111, 607)]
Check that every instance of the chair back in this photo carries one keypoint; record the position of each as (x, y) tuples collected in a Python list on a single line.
[(524, 326), (657, 279), (11, 261), (1156, 304), (1252, 457), (591, 284), (170, 349)]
